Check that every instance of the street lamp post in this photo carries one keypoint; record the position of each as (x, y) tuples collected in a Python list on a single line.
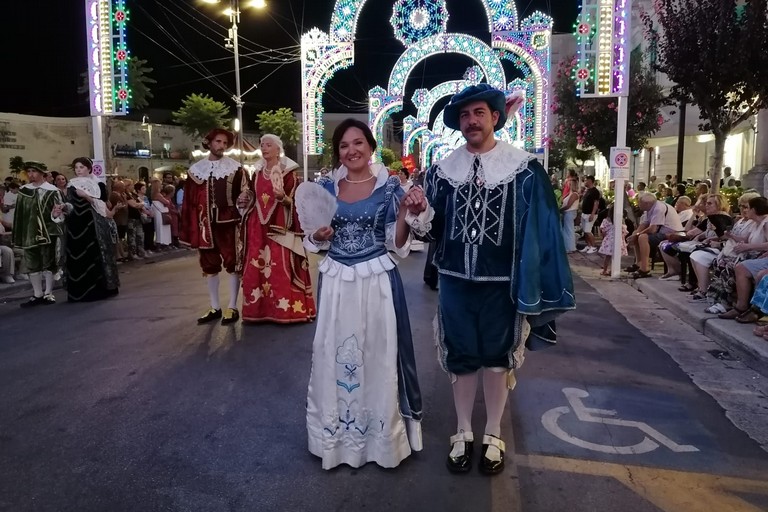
[(233, 42)]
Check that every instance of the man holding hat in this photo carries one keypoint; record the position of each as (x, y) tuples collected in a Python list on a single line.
[(503, 271), (210, 220), (36, 227)]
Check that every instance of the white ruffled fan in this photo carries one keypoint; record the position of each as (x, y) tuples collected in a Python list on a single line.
[(315, 206), (87, 185)]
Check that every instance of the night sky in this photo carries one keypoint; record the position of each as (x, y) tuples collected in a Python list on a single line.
[(44, 52)]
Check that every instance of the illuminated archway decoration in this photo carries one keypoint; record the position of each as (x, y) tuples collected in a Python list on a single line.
[(528, 41), (381, 105), (461, 44), (414, 20), (108, 55), (412, 129)]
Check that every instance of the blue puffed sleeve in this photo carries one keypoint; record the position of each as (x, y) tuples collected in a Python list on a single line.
[(437, 193), (541, 281)]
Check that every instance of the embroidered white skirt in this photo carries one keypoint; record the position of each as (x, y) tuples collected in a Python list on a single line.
[(352, 404)]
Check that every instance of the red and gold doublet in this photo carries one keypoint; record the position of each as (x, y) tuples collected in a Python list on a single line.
[(209, 213)]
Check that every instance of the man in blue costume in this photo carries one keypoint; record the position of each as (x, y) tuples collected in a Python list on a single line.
[(503, 271)]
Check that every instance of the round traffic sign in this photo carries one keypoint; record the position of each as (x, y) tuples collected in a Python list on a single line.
[(621, 160)]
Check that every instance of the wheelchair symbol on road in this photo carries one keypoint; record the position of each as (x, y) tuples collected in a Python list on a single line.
[(653, 438)]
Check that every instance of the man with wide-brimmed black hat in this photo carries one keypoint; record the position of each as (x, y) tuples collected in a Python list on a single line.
[(503, 271), (210, 220), (36, 226)]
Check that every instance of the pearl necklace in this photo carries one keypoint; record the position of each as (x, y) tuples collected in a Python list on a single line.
[(369, 178)]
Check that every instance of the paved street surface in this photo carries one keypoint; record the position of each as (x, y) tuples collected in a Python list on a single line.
[(128, 405)]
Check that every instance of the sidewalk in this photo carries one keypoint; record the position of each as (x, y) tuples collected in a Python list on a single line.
[(22, 289), (735, 338)]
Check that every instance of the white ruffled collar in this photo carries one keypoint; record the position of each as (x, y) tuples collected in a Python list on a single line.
[(44, 185), (378, 170), (216, 168), (286, 165), (498, 166)]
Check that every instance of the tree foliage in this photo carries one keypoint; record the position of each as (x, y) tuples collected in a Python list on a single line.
[(388, 156), (590, 123), (280, 122), (200, 114), (714, 52), (16, 165), (139, 82)]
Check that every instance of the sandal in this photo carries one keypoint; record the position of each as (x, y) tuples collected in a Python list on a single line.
[(605, 273), (632, 268), (641, 274), (748, 317), (686, 288), (760, 330), (731, 314)]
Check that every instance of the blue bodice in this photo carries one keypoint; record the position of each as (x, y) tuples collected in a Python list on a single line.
[(363, 230)]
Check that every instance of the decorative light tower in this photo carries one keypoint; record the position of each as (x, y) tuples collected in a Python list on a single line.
[(108, 56)]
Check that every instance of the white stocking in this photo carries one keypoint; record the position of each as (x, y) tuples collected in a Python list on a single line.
[(48, 282), (213, 290), (36, 278), (234, 290), (495, 391), (464, 393)]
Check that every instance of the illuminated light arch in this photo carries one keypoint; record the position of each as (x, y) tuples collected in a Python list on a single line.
[(380, 106), (412, 129), (461, 44), (502, 15), (321, 60)]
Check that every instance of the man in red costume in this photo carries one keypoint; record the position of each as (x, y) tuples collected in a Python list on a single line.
[(210, 220)]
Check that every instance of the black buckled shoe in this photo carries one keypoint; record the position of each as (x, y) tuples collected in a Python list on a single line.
[(34, 301), (491, 466), (211, 314), (460, 458), (231, 316)]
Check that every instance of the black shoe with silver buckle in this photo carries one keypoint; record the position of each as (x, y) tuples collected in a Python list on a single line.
[(491, 466), (231, 315), (34, 301), (211, 314), (460, 458)]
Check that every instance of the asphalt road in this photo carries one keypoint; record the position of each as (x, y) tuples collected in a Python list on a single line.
[(128, 405)]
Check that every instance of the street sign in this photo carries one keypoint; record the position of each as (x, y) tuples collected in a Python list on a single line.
[(620, 161), (98, 168)]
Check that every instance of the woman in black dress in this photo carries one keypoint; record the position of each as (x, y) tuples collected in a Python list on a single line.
[(91, 236)]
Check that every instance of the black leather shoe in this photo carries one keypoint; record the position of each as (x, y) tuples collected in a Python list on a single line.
[(211, 314), (488, 466), (463, 462), (230, 316), (34, 301)]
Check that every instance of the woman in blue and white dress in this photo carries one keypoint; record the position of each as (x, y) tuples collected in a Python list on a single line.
[(364, 403)]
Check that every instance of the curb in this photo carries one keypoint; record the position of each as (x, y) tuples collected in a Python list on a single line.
[(21, 288), (734, 337)]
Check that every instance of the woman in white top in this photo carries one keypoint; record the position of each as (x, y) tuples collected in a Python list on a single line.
[(163, 236), (569, 210)]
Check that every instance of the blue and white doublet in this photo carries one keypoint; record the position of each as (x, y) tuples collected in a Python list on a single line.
[(363, 403), (500, 256)]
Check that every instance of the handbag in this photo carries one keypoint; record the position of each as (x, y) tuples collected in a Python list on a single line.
[(165, 216)]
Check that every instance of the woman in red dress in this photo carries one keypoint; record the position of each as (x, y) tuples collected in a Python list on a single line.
[(276, 282)]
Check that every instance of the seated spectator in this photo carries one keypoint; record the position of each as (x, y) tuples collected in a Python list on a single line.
[(683, 208), (703, 260), (722, 288), (7, 258), (679, 191), (676, 250), (759, 303), (659, 220), (738, 286)]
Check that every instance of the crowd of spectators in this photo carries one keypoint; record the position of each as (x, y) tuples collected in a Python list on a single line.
[(147, 218)]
